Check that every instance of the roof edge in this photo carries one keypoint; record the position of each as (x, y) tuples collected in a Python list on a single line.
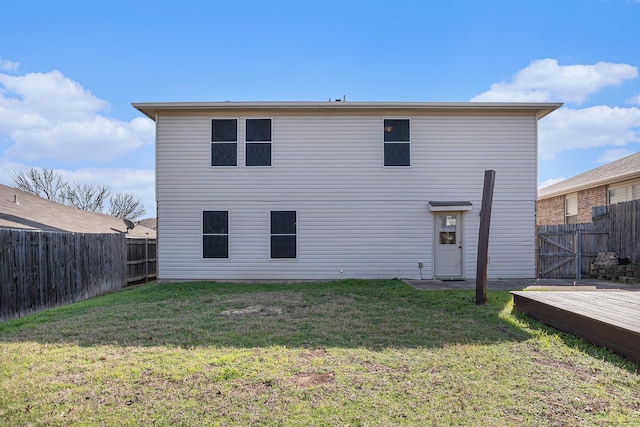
[(586, 186), (541, 109)]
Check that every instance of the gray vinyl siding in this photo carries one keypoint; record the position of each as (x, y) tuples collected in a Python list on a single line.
[(354, 214)]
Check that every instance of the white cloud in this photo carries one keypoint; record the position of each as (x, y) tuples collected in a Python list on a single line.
[(49, 116), (634, 99), (598, 126), (545, 80), (6, 65), (7, 168), (549, 182), (613, 155)]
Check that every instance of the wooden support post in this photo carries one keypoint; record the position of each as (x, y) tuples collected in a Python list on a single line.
[(483, 237)]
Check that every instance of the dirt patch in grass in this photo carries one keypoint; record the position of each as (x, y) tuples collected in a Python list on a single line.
[(253, 310), (313, 379), (313, 354), (378, 368), (257, 304), (580, 372)]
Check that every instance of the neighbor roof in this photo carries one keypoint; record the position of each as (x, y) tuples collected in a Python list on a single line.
[(620, 170), (539, 109), (26, 211)]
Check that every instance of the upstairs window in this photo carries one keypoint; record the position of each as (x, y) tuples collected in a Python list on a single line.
[(397, 142), (283, 234), (258, 142), (215, 234), (224, 142)]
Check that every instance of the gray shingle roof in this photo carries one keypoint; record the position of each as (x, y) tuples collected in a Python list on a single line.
[(35, 213), (620, 170)]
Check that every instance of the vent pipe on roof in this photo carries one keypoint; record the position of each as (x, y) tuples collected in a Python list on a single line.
[(15, 199)]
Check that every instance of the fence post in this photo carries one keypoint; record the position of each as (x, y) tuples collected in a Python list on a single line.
[(146, 260), (578, 254), (483, 236)]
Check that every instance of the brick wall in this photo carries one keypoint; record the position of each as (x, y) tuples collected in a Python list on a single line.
[(550, 211), (589, 198)]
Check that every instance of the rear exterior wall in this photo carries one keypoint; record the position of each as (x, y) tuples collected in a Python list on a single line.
[(355, 217)]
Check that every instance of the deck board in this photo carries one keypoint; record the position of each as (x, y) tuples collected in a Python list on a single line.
[(609, 319)]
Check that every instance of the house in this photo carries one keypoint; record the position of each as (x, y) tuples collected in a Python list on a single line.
[(22, 210), (329, 190), (570, 201), (151, 223)]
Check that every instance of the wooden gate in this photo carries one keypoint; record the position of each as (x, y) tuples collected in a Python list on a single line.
[(567, 251)]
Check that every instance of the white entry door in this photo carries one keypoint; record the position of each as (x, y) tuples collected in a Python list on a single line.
[(448, 245)]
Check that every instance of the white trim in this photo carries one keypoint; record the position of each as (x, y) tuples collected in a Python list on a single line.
[(539, 109), (451, 208)]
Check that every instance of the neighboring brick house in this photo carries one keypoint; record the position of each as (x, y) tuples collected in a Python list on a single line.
[(570, 201)]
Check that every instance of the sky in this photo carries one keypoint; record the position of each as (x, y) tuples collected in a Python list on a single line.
[(69, 71)]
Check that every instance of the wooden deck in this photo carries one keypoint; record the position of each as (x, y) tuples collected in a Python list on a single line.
[(607, 318)]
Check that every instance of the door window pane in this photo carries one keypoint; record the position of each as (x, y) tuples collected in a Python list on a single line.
[(447, 230), (447, 237)]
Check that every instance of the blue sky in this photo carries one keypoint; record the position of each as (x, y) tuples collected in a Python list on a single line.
[(70, 69)]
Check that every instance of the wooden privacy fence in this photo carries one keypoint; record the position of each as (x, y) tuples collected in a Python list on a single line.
[(624, 229), (41, 269), (46, 269), (142, 264), (567, 250)]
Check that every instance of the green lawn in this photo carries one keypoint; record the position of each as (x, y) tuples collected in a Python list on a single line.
[(350, 353)]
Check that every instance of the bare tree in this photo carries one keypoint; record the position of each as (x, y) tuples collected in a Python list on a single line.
[(87, 197), (50, 185), (44, 183), (125, 205)]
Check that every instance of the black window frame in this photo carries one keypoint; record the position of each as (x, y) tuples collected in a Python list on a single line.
[(225, 143), (396, 142), (283, 234), (215, 233), (257, 142)]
